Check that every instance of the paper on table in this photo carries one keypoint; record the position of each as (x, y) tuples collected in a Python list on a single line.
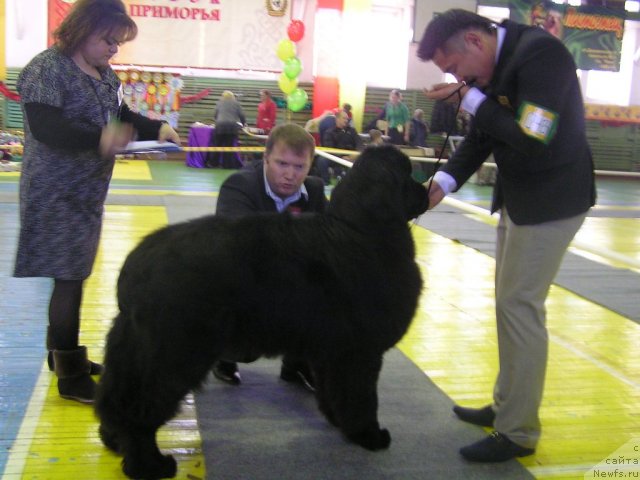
[(150, 145)]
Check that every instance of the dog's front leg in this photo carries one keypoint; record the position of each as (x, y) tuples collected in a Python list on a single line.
[(351, 398), (143, 459)]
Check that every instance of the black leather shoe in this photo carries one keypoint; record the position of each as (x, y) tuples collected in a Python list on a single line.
[(298, 372), (478, 416), (227, 372), (495, 448)]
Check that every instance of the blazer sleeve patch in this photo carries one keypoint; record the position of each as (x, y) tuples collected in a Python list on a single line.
[(537, 122)]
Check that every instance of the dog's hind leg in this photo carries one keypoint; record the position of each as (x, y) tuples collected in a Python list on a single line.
[(349, 398), (141, 389), (128, 417), (322, 393)]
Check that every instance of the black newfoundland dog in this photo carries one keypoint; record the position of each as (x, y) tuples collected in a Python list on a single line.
[(337, 289)]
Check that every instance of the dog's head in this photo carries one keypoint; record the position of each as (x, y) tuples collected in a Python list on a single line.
[(379, 188)]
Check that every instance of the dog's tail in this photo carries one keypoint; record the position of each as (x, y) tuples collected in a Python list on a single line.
[(145, 375), (112, 403)]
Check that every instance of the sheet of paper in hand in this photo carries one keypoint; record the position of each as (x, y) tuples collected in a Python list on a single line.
[(150, 146)]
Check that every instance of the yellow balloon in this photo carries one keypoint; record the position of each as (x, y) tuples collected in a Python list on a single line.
[(286, 49), (286, 84)]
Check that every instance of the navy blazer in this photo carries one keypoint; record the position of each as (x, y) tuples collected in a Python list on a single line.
[(244, 192), (537, 181)]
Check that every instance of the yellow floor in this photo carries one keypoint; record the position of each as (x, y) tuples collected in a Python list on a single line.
[(619, 236), (59, 439), (592, 396)]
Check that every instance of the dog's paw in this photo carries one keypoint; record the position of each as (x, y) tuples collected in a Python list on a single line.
[(164, 467), (372, 438)]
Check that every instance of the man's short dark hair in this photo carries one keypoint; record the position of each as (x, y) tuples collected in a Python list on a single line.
[(445, 26)]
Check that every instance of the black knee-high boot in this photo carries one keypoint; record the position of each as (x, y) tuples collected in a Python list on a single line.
[(72, 368)]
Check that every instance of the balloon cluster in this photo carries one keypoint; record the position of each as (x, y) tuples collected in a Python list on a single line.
[(288, 80)]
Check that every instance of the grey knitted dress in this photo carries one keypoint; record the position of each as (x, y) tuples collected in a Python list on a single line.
[(62, 190)]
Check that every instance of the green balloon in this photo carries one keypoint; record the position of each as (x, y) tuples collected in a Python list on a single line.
[(292, 67), (297, 100)]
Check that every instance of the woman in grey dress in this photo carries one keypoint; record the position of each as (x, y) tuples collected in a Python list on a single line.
[(75, 121)]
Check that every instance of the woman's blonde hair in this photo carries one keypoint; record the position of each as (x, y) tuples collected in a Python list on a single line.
[(228, 94)]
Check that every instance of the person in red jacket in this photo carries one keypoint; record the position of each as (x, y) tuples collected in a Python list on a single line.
[(266, 118)]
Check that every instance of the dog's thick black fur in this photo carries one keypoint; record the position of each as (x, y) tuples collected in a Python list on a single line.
[(337, 289)]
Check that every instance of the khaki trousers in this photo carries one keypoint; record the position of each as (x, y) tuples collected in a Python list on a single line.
[(527, 260)]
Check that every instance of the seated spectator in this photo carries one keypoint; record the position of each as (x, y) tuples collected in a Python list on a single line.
[(280, 183), (418, 129), (313, 126), (346, 107), (341, 136), (375, 138), (319, 125), (327, 124)]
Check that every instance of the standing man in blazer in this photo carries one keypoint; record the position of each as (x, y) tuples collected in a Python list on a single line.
[(519, 84), (279, 184)]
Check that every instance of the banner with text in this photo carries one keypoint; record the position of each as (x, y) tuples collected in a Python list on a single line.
[(593, 35), (221, 34)]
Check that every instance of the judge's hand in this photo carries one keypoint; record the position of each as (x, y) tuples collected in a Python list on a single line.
[(115, 137), (436, 194), (447, 91), (167, 133)]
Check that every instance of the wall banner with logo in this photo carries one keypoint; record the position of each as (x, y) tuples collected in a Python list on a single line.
[(220, 34), (593, 35)]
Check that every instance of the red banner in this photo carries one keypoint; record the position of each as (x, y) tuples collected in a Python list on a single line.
[(58, 9)]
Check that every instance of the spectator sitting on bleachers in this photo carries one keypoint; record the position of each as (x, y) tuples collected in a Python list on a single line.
[(375, 138), (418, 129), (340, 136)]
